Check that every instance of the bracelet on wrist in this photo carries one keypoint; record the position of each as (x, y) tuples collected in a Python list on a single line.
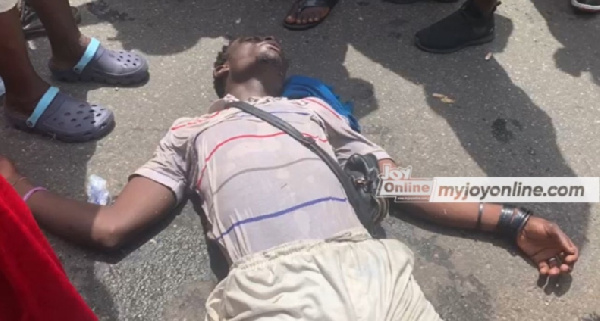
[(511, 222), (479, 217), (32, 191)]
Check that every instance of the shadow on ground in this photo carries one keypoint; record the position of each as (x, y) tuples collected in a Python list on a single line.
[(579, 35), (496, 122)]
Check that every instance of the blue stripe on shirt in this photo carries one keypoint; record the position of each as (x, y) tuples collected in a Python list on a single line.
[(280, 213)]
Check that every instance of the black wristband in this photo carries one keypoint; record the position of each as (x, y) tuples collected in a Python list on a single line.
[(504, 222), (515, 224), (526, 214), (511, 222)]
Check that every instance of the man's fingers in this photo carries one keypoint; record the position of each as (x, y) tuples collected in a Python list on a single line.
[(570, 252), (565, 242), (556, 265), (553, 264), (554, 271), (543, 267), (571, 258)]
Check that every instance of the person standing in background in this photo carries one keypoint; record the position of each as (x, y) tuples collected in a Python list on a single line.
[(473, 24), (30, 103)]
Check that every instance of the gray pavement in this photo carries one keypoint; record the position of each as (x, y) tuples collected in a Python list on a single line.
[(532, 109)]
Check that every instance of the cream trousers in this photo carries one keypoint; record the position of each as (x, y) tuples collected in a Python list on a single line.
[(350, 277)]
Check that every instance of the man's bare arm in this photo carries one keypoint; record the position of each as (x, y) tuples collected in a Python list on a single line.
[(141, 203), (542, 241), (460, 215)]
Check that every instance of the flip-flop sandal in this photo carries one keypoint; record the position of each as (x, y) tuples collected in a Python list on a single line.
[(30, 21), (106, 66), (305, 4), (62, 117)]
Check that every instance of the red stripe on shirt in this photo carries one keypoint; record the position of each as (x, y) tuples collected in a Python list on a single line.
[(324, 106), (230, 139)]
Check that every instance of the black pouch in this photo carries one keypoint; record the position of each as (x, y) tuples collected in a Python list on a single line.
[(363, 170)]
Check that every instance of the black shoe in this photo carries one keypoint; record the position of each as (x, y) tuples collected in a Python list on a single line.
[(466, 27)]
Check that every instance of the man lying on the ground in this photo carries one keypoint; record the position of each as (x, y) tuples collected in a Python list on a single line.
[(297, 249)]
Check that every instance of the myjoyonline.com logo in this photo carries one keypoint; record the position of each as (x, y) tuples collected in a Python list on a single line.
[(398, 183)]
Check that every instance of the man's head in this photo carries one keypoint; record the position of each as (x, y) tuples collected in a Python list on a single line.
[(249, 58)]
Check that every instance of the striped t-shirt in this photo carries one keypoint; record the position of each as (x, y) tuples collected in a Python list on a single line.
[(259, 187)]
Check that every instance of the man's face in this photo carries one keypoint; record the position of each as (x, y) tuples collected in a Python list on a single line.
[(245, 54)]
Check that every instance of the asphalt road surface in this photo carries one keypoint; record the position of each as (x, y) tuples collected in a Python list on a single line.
[(532, 109)]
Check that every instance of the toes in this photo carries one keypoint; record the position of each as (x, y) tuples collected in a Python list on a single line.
[(306, 15), (309, 15), (292, 16)]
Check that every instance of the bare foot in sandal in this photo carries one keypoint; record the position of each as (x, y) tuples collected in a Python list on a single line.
[(306, 14), (32, 105), (62, 117)]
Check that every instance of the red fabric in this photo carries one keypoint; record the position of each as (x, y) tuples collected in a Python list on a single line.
[(33, 284)]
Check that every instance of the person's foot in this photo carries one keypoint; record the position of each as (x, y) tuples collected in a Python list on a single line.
[(98, 64), (468, 26), (24, 103), (46, 111), (591, 6), (306, 14), (68, 57)]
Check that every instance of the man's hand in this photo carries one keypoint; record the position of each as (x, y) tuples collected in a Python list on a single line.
[(548, 246), (141, 203)]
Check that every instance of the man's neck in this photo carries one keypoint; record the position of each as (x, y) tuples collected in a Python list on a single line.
[(255, 88)]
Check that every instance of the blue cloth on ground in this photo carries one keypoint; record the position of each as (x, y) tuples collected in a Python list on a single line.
[(298, 87)]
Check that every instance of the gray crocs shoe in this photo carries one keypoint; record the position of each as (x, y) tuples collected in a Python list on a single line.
[(65, 118), (106, 66)]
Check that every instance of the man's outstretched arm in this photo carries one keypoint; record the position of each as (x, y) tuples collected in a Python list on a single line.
[(141, 203), (542, 241)]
